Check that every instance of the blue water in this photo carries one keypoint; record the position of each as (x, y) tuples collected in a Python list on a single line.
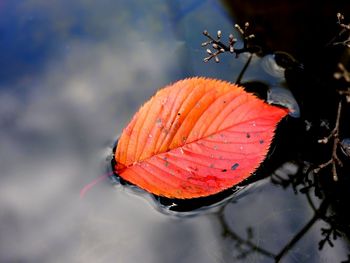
[(72, 75)]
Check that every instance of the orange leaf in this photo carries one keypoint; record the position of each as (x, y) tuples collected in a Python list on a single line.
[(195, 138)]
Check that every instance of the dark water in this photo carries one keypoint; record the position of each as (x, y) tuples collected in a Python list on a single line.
[(73, 74)]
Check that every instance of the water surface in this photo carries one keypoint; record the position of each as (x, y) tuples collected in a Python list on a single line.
[(72, 75)]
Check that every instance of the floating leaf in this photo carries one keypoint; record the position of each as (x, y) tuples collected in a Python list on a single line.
[(195, 138)]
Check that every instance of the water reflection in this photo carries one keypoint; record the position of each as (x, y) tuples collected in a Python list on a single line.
[(287, 228), (72, 76)]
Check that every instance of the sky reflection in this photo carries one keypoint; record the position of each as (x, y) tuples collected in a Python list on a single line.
[(72, 75)]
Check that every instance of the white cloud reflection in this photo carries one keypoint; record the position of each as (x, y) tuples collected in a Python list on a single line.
[(51, 140)]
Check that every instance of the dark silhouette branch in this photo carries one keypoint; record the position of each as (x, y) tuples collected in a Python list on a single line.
[(240, 76), (320, 212), (334, 160), (240, 240)]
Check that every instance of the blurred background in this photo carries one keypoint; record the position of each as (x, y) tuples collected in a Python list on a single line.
[(72, 74)]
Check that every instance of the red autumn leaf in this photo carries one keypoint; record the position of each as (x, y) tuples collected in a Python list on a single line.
[(195, 138)]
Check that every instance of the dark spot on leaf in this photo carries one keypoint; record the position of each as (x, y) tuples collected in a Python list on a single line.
[(261, 141), (178, 114), (234, 167), (223, 170), (248, 135), (166, 163)]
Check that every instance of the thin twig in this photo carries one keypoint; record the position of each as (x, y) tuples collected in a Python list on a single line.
[(219, 47), (334, 160), (240, 76), (345, 28)]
